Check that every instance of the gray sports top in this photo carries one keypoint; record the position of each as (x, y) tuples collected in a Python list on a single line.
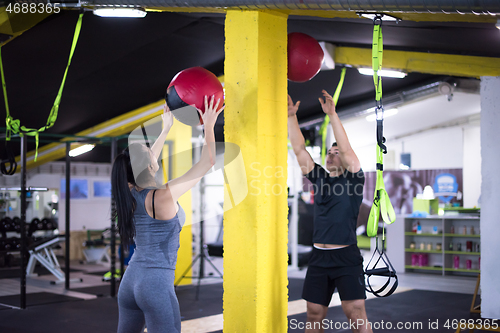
[(157, 241)]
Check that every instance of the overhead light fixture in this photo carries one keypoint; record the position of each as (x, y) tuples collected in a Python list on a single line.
[(81, 150), (383, 72), (498, 24), (387, 113), (385, 17), (120, 12)]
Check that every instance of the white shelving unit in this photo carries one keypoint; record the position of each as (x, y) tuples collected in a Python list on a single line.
[(452, 229)]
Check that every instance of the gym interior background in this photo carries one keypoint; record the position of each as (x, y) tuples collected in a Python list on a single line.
[(444, 122)]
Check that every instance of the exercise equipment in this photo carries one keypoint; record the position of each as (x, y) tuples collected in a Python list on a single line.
[(305, 57), (18, 225), (9, 244), (9, 159), (323, 129), (42, 252), (8, 224), (96, 249), (381, 266), (35, 225), (189, 87), (14, 125), (381, 203), (5, 226), (48, 224)]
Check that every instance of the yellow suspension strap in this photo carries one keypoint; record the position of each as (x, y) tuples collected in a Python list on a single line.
[(381, 266), (14, 125), (324, 126)]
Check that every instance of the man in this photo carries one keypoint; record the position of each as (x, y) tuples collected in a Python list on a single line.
[(336, 261)]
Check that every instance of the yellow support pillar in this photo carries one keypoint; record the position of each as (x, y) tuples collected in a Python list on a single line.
[(255, 230), (180, 135)]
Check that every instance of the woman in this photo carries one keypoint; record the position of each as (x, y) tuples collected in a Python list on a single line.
[(153, 219)]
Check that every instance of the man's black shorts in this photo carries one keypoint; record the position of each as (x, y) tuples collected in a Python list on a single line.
[(330, 269)]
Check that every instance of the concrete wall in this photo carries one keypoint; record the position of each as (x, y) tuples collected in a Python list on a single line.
[(435, 149), (90, 213), (472, 165), (490, 197)]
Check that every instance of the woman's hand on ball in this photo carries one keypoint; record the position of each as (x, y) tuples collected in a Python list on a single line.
[(292, 108), (211, 112), (328, 105), (167, 117)]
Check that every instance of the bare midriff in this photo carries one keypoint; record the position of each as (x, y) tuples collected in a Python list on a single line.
[(330, 246)]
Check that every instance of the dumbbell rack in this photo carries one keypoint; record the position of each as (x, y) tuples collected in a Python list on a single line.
[(9, 240), (40, 240)]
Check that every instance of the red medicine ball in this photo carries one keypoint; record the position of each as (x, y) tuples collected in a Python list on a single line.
[(189, 87), (305, 57)]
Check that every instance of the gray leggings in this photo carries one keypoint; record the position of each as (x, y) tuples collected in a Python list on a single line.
[(147, 296)]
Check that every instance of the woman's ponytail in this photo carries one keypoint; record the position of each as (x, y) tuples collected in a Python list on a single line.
[(121, 175)]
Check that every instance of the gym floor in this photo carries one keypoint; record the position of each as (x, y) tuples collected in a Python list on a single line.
[(87, 307)]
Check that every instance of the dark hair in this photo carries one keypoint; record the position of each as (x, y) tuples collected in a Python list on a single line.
[(334, 144), (121, 175), (131, 166)]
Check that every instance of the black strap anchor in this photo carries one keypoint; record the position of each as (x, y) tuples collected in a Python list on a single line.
[(10, 160), (379, 114), (386, 270)]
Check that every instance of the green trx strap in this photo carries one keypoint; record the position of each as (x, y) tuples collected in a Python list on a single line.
[(14, 125), (323, 129), (377, 53), (381, 202), (379, 264)]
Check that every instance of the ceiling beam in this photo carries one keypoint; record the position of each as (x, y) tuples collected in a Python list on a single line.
[(14, 24), (325, 13), (429, 63), (416, 17)]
